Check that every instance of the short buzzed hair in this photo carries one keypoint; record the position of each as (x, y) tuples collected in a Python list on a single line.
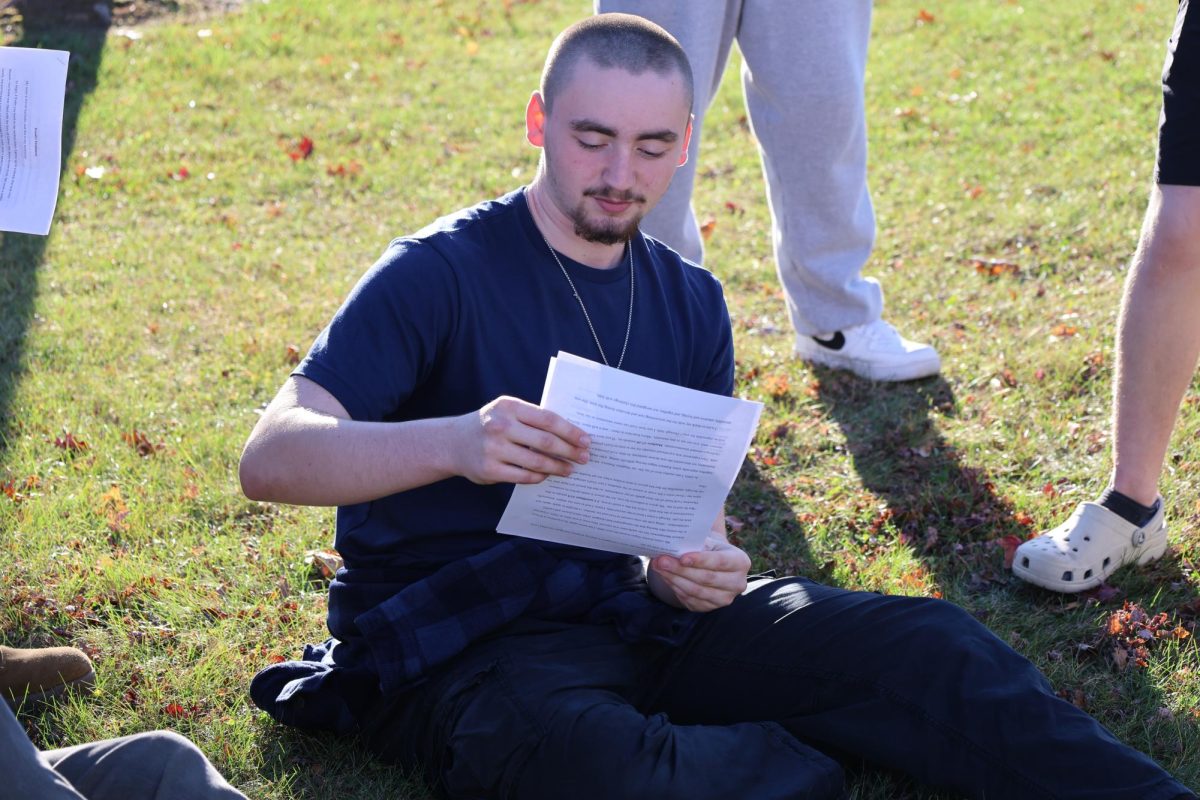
[(620, 41)]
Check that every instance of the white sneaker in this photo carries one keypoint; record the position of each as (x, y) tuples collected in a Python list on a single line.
[(874, 351)]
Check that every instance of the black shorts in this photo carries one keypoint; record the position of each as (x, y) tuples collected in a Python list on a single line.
[(1179, 124)]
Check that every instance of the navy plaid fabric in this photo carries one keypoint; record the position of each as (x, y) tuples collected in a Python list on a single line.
[(407, 629), (434, 619)]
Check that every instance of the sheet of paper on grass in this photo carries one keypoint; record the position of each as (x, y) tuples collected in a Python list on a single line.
[(32, 86), (663, 458)]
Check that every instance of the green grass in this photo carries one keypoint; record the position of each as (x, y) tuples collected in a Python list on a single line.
[(168, 311)]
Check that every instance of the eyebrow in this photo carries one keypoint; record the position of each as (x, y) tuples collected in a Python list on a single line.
[(591, 126)]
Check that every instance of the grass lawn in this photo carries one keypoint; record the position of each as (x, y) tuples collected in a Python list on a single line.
[(198, 248)]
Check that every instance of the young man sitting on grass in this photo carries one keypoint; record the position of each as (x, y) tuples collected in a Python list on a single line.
[(508, 667)]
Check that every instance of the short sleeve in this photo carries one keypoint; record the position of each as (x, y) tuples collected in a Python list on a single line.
[(385, 339)]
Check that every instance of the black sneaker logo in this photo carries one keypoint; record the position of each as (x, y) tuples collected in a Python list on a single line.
[(835, 342)]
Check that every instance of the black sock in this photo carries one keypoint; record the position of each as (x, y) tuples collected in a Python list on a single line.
[(1127, 508)]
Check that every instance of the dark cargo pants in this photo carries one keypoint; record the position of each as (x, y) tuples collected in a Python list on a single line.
[(757, 704)]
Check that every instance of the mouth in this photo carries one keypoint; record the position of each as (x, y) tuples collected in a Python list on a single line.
[(612, 206)]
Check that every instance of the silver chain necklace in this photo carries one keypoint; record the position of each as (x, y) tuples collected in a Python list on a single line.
[(583, 308)]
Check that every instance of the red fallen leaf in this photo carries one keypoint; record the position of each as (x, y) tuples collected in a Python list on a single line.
[(1023, 519), (994, 268), (276, 659), (342, 170), (69, 443), (1040, 374), (780, 431), (777, 386), (140, 442), (732, 207), (924, 17), (302, 150), (1010, 544), (1075, 697), (176, 710), (1063, 330), (1050, 490), (181, 174)]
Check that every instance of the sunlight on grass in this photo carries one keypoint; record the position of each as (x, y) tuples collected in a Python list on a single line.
[(1011, 153)]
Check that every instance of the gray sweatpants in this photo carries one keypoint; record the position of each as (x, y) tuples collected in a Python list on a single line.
[(147, 766), (802, 77)]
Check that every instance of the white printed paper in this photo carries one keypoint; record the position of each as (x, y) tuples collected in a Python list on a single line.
[(32, 91), (663, 459)]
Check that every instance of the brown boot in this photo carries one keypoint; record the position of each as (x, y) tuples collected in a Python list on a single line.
[(37, 674)]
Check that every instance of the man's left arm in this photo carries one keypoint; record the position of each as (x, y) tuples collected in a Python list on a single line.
[(704, 580)]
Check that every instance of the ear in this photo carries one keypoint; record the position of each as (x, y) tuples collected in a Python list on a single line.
[(535, 120), (687, 140)]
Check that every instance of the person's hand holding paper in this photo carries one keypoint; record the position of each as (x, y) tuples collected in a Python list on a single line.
[(662, 458)]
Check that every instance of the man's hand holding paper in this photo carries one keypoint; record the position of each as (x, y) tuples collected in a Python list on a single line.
[(661, 459)]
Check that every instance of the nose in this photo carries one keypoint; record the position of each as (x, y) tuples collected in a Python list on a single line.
[(619, 172)]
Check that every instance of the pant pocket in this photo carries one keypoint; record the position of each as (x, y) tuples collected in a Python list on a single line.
[(484, 734)]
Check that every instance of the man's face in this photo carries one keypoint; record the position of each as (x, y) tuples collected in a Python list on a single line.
[(612, 142)]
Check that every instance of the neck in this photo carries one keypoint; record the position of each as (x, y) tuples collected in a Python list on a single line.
[(559, 231)]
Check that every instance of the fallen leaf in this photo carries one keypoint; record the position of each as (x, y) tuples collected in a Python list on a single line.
[(1104, 593), (69, 443), (1062, 330), (302, 150), (1010, 544), (140, 442), (706, 230), (325, 563), (924, 17)]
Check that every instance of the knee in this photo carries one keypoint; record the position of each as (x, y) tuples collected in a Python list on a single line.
[(164, 752), (945, 627), (1172, 234)]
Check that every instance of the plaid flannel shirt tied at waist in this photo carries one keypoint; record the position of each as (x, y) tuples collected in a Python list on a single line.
[(434, 619)]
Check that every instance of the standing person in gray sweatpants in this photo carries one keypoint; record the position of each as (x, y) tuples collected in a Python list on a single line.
[(802, 77), (146, 766)]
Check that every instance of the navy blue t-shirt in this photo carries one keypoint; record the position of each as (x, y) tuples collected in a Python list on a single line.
[(471, 308)]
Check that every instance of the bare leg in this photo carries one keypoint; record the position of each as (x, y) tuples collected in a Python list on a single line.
[(1158, 339)]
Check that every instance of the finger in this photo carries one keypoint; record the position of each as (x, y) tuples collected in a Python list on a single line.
[(509, 473), (524, 458), (696, 597), (727, 559), (552, 423)]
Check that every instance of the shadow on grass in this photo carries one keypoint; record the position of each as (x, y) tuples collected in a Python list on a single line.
[(762, 522), (44, 26), (315, 766), (947, 511)]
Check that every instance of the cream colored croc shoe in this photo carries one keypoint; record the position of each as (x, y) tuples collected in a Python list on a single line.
[(1087, 548)]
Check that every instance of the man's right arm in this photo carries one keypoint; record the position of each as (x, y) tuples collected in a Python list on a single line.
[(306, 450)]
